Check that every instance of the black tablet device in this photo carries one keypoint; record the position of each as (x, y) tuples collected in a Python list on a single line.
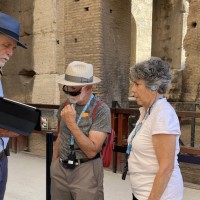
[(19, 117)]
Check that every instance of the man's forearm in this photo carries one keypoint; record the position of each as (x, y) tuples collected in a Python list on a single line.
[(56, 148), (84, 142)]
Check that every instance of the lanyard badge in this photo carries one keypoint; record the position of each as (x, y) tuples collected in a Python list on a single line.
[(136, 130), (138, 127), (79, 119)]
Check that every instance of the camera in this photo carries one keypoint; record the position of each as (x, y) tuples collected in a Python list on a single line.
[(125, 171), (71, 162)]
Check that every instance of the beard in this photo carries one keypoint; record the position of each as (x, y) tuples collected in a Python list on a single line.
[(3, 62), (1, 65), (76, 99)]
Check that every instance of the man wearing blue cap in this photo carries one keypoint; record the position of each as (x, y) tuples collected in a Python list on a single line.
[(9, 39)]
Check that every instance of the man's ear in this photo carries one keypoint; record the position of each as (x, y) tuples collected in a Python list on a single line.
[(88, 88)]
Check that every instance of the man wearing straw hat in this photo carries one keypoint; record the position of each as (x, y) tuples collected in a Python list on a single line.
[(76, 169), (9, 39)]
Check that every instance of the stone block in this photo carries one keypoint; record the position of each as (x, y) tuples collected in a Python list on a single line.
[(45, 89), (37, 144), (44, 22), (17, 88), (44, 51)]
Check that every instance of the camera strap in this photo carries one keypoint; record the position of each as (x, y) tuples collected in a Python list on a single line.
[(136, 130)]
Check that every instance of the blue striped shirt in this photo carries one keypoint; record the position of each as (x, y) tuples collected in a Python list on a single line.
[(5, 139)]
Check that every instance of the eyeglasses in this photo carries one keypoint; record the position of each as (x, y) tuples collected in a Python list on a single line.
[(71, 93)]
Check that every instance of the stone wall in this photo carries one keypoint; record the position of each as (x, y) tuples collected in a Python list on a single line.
[(191, 74), (141, 33), (17, 86), (98, 32), (58, 32), (30, 75), (82, 33), (141, 30), (108, 34), (115, 50), (167, 33)]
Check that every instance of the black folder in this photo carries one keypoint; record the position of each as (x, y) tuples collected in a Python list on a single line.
[(19, 117)]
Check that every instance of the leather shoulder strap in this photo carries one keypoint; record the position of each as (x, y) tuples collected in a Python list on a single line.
[(95, 109)]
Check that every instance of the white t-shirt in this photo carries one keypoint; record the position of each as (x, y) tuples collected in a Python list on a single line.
[(142, 162)]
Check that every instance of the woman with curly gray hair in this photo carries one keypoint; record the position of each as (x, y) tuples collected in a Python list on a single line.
[(153, 145)]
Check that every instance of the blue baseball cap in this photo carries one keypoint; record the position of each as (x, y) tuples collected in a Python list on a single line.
[(10, 27)]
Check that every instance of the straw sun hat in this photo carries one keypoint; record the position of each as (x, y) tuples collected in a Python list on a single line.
[(78, 74)]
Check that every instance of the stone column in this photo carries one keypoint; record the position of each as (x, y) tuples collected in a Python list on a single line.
[(167, 39), (191, 74)]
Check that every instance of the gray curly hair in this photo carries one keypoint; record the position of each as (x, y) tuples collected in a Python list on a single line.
[(153, 71)]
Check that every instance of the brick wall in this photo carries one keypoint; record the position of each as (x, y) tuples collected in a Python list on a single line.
[(115, 53), (98, 32), (82, 33)]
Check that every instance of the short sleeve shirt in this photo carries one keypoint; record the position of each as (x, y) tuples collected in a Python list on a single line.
[(143, 164), (101, 122)]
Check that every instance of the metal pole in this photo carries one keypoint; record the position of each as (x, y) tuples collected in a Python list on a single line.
[(49, 152)]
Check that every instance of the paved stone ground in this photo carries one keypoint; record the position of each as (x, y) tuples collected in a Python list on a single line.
[(27, 176)]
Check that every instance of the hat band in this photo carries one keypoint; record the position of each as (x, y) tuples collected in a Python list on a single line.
[(9, 33), (78, 79)]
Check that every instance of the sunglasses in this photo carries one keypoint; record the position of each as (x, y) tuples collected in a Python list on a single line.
[(71, 93)]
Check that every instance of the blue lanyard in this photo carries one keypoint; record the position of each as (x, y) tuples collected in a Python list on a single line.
[(138, 127), (79, 119)]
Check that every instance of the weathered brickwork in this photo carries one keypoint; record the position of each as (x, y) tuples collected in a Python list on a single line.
[(82, 33), (98, 32), (115, 50)]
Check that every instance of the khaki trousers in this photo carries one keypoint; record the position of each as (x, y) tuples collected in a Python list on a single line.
[(85, 182)]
